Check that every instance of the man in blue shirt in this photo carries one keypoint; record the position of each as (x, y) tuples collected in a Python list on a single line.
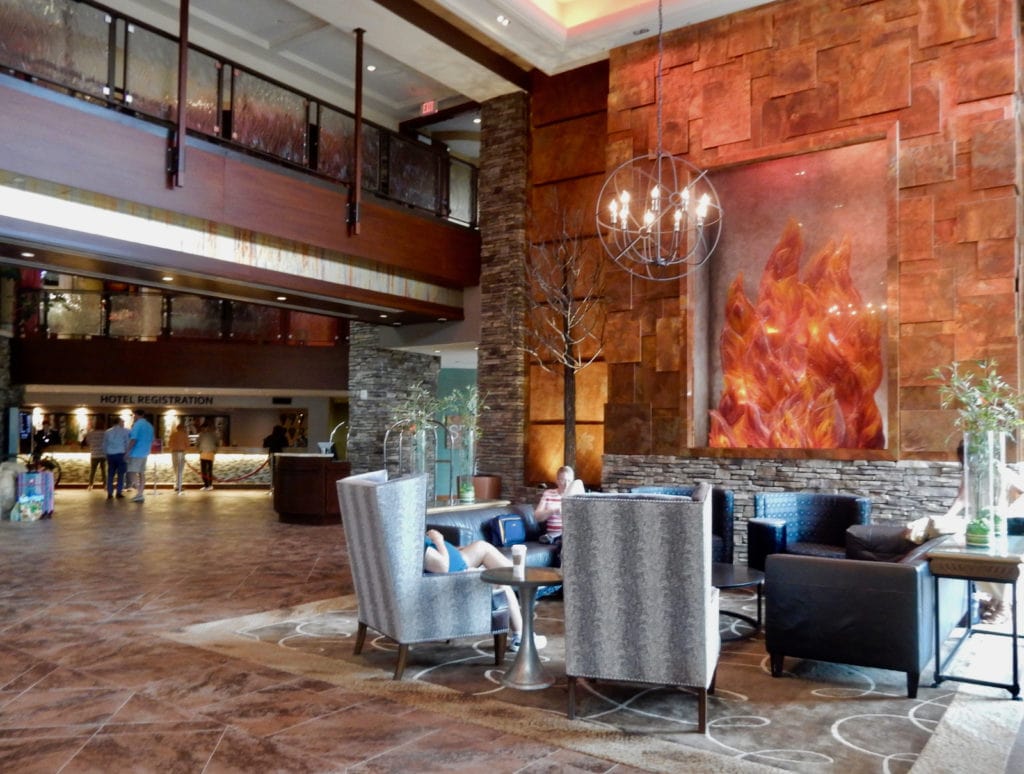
[(139, 443)]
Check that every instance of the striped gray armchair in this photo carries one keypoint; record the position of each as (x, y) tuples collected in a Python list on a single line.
[(384, 524), (639, 604)]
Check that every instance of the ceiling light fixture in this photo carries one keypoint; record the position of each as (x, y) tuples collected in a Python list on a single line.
[(658, 216), (503, 20), (371, 68), (167, 278), (282, 298)]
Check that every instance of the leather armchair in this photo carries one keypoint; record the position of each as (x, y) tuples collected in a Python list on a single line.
[(853, 611), (384, 524), (805, 523), (639, 604), (722, 518)]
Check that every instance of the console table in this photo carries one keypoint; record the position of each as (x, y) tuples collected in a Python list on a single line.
[(306, 488), (1000, 563)]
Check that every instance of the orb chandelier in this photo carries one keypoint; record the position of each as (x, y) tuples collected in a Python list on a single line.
[(658, 216)]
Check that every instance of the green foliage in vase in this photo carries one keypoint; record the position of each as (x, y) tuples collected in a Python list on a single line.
[(467, 403), (984, 401), (417, 408)]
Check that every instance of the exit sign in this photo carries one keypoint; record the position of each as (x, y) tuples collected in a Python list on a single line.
[(428, 108)]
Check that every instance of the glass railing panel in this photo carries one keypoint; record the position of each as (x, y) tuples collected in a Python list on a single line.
[(335, 149), (152, 73), (250, 322), (461, 190), (57, 40), (412, 173), (74, 314), (203, 112), (312, 330), (136, 316), (269, 118), (195, 317)]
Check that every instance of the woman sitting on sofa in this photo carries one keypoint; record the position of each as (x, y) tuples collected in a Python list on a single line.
[(441, 556)]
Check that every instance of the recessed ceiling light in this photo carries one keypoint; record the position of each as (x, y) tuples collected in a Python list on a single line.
[(476, 120), (371, 68), (383, 317), (503, 20), (167, 278), (282, 298), (27, 254), (442, 319)]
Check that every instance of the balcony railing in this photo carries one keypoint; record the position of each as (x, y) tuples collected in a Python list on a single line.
[(143, 315), (95, 54)]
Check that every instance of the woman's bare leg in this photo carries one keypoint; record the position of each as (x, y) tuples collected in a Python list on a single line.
[(483, 554)]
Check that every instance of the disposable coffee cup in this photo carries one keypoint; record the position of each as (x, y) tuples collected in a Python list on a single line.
[(519, 561)]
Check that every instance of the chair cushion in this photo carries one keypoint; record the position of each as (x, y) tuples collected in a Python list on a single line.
[(877, 542), (822, 550)]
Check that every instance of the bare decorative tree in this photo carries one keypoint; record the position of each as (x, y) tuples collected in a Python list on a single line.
[(565, 310)]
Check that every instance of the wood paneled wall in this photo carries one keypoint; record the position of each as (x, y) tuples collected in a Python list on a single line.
[(793, 77)]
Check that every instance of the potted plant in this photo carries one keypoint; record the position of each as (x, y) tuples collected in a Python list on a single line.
[(988, 409), (465, 404)]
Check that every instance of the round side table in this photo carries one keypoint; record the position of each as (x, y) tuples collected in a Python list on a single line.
[(526, 673)]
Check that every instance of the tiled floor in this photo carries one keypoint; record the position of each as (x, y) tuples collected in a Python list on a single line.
[(88, 684)]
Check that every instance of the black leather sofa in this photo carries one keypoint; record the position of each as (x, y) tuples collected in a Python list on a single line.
[(462, 527), (874, 609)]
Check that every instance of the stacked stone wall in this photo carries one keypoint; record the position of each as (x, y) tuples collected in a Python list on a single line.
[(899, 491)]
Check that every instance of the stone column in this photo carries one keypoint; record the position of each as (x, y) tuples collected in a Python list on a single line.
[(502, 373)]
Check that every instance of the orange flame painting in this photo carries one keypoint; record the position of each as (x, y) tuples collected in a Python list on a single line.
[(802, 363)]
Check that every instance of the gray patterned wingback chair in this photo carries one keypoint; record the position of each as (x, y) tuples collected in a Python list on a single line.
[(639, 604), (384, 524)]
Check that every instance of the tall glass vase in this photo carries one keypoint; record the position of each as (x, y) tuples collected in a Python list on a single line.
[(418, 450), (985, 493), (467, 493)]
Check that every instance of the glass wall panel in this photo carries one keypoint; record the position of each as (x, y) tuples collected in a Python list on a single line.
[(195, 317), (250, 322), (74, 314), (59, 40), (461, 191), (152, 82), (412, 173), (203, 113), (136, 316), (269, 118)]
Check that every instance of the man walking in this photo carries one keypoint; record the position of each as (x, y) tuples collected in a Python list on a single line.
[(115, 446), (139, 444)]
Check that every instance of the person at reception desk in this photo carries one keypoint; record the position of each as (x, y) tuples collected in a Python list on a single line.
[(140, 444), (207, 443), (177, 443), (115, 446)]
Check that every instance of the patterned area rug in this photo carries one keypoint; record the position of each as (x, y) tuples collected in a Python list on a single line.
[(818, 717)]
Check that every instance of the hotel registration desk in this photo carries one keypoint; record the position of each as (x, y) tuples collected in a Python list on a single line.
[(1000, 563)]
